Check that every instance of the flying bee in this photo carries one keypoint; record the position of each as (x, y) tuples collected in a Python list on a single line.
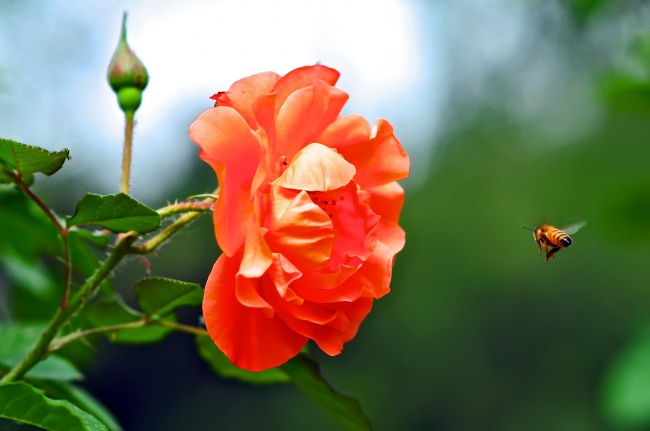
[(554, 238)]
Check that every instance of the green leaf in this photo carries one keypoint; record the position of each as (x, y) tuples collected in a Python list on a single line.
[(24, 403), (82, 399), (625, 390), (5, 178), (118, 213), (26, 159), (17, 339), (222, 366), (113, 312), (159, 296), (305, 374)]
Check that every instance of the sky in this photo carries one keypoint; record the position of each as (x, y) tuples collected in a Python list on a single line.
[(53, 60)]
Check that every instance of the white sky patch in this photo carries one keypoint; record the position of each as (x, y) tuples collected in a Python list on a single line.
[(56, 59), (202, 47)]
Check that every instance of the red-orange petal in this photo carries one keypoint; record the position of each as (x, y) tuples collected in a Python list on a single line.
[(298, 229), (371, 279), (354, 222), (304, 115), (387, 201), (242, 93), (344, 132), (303, 77), (316, 168), (249, 338), (319, 323), (233, 151), (379, 160)]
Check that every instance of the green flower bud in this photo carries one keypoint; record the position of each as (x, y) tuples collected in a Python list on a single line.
[(127, 75)]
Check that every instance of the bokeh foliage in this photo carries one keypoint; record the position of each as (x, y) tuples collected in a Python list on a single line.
[(477, 333)]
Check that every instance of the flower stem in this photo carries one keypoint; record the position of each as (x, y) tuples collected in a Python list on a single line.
[(63, 341), (181, 327), (185, 207), (67, 268), (39, 350), (192, 211), (126, 155), (157, 240)]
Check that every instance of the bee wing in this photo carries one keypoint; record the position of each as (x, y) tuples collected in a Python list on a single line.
[(573, 228)]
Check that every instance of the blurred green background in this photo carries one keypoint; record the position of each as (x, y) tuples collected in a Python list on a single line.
[(520, 113)]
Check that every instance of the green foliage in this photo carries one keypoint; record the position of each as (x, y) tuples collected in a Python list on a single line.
[(118, 213), (305, 374), (24, 403), (158, 296), (625, 390), (82, 399), (17, 158), (111, 312), (17, 338), (302, 371), (222, 366)]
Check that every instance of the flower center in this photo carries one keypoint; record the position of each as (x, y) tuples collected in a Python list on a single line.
[(327, 201)]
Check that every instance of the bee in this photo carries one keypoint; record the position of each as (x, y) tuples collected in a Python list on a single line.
[(554, 238)]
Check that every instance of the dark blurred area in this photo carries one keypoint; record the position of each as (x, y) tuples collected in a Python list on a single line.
[(551, 125)]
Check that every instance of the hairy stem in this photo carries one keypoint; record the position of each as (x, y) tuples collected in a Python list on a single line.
[(185, 207), (63, 341), (180, 327), (196, 209), (126, 154)]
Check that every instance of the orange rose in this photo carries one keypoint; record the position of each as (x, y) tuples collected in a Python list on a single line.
[(306, 219)]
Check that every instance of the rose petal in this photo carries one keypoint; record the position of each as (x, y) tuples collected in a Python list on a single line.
[(354, 223), (303, 77), (242, 93), (316, 168), (249, 338), (344, 132), (233, 151), (379, 160), (387, 201), (371, 279), (304, 115), (299, 229)]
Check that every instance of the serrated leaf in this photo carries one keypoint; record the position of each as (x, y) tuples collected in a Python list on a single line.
[(305, 374), (82, 399), (24, 403), (222, 366), (27, 159), (17, 339), (118, 213), (159, 296), (113, 312)]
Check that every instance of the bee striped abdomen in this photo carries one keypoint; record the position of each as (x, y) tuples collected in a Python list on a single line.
[(560, 238)]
